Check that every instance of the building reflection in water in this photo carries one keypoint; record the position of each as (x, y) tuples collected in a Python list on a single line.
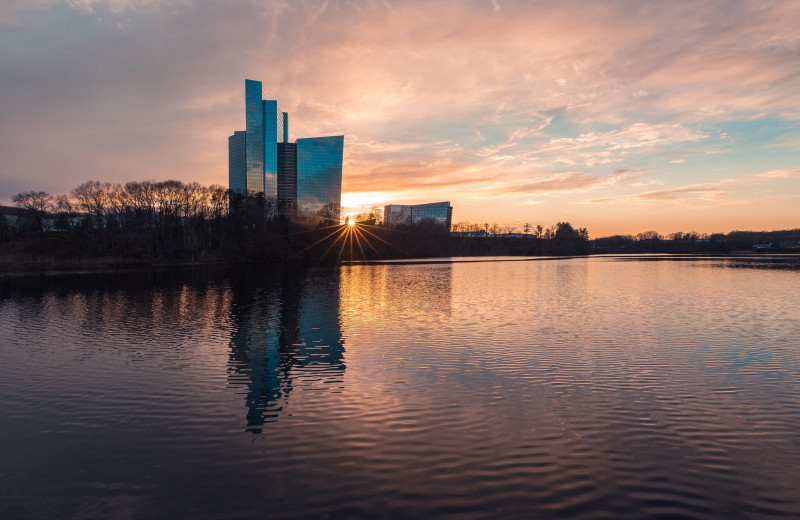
[(284, 329)]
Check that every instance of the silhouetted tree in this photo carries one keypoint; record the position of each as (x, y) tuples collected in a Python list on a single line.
[(569, 241), (35, 205)]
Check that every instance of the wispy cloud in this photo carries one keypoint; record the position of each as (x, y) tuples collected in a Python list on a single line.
[(702, 191), (637, 135), (773, 174), (598, 148), (572, 181), (705, 192)]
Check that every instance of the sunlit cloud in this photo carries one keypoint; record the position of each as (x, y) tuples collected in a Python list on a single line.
[(638, 135), (558, 182), (618, 145), (772, 174), (702, 191)]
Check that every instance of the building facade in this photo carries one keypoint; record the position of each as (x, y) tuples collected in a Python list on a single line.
[(266, 127), (302, 178), (319, 176), (435, 214), (237, 161), (287, 178)]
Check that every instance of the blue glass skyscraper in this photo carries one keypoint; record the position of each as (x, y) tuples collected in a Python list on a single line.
[(319, 176), (254, 113), (266, 126), (303, 178)]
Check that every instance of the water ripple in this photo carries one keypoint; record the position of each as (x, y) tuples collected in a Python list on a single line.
[(581, 388)]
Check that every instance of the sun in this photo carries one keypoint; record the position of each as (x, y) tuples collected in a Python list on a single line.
[(351, 222)]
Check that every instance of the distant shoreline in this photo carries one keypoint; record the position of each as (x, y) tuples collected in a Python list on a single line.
[(109, 265)]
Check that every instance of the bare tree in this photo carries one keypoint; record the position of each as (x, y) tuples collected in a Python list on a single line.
[(64, 211), (506, 230), (36, 204), (90, 198), (377, 214)]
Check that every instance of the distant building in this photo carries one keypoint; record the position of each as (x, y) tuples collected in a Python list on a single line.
[(300, 178), (438, 214)]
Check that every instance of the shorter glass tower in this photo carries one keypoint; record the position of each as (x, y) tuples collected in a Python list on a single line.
[(437, 214), (319, 176), (287, 179), (237, 161)]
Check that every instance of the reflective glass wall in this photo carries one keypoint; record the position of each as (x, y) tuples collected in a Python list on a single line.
[(271, 134), (254, 112), (287, 178), (266, 127), (237, 162), (439, 214), (319, 176), (304, 177)]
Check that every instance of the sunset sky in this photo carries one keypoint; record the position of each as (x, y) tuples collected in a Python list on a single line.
[(618, 116)]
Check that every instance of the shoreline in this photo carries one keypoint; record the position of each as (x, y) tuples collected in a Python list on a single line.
[(51, 265)]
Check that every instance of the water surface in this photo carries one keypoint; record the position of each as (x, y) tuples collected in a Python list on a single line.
[(604, 387)]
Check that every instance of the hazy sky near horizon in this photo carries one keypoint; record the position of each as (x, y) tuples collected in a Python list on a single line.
[(618, 116)]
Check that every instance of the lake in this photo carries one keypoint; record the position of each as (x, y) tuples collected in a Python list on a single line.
[(583, 388)]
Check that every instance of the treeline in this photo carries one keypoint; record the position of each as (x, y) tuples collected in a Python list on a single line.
[(423, 239), (138, 221), (495, 229), (693, 242), (171, 221)]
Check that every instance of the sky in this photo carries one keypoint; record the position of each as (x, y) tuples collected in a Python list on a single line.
[(617, 116)]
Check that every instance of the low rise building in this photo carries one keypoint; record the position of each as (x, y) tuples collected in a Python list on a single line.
[(436, 214)]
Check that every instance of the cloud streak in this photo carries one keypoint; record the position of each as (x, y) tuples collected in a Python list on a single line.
[(702, 191), (779, 174)]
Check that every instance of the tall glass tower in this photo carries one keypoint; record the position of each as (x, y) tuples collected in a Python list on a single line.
[(266, 126), (303, 178), (254, 113)]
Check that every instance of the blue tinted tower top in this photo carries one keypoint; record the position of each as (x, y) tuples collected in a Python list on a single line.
[(254, 113), (266, 126), (302, 178)]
